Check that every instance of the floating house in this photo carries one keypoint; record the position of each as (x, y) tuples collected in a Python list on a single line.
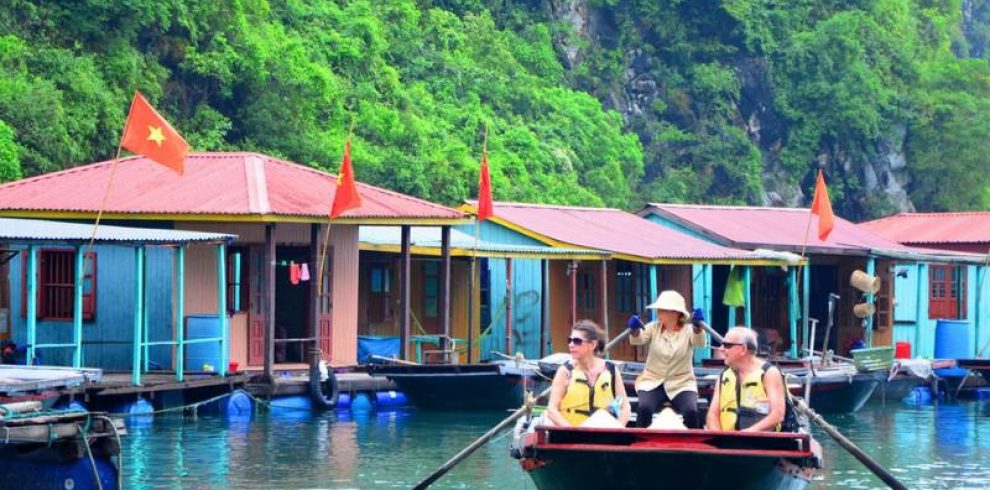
[(644, 259), (832, 263), (290, 278), (381, 259), (72, 280), (954, 291)]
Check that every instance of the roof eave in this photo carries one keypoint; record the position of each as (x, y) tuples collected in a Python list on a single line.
[(233, 218)]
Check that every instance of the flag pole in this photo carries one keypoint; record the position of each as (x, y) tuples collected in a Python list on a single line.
[(326, 236), (106, 195), (477, 234)]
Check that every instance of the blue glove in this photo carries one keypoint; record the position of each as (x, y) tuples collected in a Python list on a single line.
[(635, 323), (697, 316)]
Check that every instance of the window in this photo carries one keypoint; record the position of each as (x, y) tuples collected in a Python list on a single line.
[(946, 292), (625, 287), (379, 288), (586, 291), (431, 289), (235, 280), (56, 284)]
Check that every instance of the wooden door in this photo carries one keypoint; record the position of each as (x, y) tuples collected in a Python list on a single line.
[(325, 305), (256, 307)]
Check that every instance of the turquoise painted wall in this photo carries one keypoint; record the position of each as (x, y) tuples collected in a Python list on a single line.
[(912, 304), (702, 291), (114, 318), (526, 292)]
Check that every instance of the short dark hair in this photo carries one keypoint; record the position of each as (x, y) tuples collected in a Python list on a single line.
[(592, 332)]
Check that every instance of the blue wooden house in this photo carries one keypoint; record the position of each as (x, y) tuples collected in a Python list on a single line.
[(928, 293), (644, 259)]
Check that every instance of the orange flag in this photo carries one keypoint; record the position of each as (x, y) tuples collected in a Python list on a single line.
[(148, 133), (485, 208), (346, 197), (821, 206)]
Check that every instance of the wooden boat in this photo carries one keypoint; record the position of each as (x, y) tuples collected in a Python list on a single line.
[(44, 449), (575, 458), (497, 385), (41, 383)]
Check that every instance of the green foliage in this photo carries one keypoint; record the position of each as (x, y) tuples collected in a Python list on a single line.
[(10, 165)]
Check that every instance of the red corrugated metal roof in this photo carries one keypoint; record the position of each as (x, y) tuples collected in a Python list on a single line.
[(756, 227), (612, 230), (921, 228), (224, 184)]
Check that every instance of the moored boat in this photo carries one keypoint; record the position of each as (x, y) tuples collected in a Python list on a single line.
[(575, 458), (495, 386)]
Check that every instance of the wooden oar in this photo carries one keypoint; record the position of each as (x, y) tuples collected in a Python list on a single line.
[(848, 445), (527, 406)]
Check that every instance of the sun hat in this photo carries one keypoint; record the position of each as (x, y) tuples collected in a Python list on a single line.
[(671, 301)]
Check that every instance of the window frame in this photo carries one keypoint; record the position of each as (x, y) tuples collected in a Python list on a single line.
[(45, 278)]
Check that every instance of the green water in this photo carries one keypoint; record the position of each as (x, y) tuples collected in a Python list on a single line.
[(927, 447)]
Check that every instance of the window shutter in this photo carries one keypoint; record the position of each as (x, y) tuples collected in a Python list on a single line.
[(89, 287)]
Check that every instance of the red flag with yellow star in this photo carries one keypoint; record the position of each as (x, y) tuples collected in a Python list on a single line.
[(346, 196), (149, 134), (821, 206), (485, 207)]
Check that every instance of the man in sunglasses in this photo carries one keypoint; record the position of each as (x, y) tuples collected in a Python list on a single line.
[(750, 392)]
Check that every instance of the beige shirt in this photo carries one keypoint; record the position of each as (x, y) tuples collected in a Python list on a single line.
[(670, 361)]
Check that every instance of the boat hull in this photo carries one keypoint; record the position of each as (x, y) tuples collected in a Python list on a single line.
[(844, 394), (633, 459)]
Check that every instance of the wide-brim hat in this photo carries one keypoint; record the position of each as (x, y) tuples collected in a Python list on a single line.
[(671, 301)]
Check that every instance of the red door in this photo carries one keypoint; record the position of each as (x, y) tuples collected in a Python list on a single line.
[(256, 310)]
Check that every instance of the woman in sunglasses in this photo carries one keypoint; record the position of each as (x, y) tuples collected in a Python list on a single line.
[(669, 371), (586, 383)]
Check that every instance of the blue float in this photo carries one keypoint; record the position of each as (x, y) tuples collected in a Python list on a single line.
[(343, 401), (390, 399), (920, 395), (55, 473), (951, 342), (293, 407), (238, 405), (361, 403), (140, 414)]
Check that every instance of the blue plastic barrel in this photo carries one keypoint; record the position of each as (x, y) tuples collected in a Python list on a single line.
[(390, 399), (238, 405), (203, 356), (951, 342), (361, 403), (920, 395), (343, 401), (140, 414), (296, 407)]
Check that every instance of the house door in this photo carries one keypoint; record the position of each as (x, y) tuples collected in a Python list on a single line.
[(256, 307)]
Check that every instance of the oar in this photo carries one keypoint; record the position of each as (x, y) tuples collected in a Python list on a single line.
[(848, 445), (527, 406)]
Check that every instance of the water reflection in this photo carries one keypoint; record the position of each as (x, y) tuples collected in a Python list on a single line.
[(927, 447)]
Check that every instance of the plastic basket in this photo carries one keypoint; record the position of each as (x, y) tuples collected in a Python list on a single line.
[(873, 358)]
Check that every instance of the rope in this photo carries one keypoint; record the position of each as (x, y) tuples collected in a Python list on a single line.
[(92, 460), (120, 453)]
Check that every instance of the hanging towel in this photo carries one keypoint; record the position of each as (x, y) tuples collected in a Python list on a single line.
[(734, 289), (304, 272), (294, 273)]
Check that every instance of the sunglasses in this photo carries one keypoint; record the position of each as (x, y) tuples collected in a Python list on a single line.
[(729, 345), (577, 340)]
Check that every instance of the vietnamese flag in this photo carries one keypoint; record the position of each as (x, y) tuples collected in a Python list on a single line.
[(485, 209), (148, 133), (346, 196), (821, 206)]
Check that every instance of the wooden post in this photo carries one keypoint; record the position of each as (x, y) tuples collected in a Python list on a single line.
[(572, 269), (445, 290), (805, 299), (508, 306), (222, 309), (405, 268), (871, 270), (180, 312), (269, 302), (138, 314), (32, 303), (604, 283), (77, 306), (544, 307), (470, 310), (314, 295)]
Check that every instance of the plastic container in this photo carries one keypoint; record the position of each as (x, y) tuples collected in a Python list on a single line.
[(390, 399), (382, 346), (343, 401), (204, 357), (873, 358), (238, 405), (361, 403), (902, 350), (920, 395), (951, 342), (140, 414)]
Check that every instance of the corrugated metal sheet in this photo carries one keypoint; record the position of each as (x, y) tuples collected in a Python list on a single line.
[(932, 228), (227, 184), (429, 237), (613, 230), (28, 230), (745, 226)]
